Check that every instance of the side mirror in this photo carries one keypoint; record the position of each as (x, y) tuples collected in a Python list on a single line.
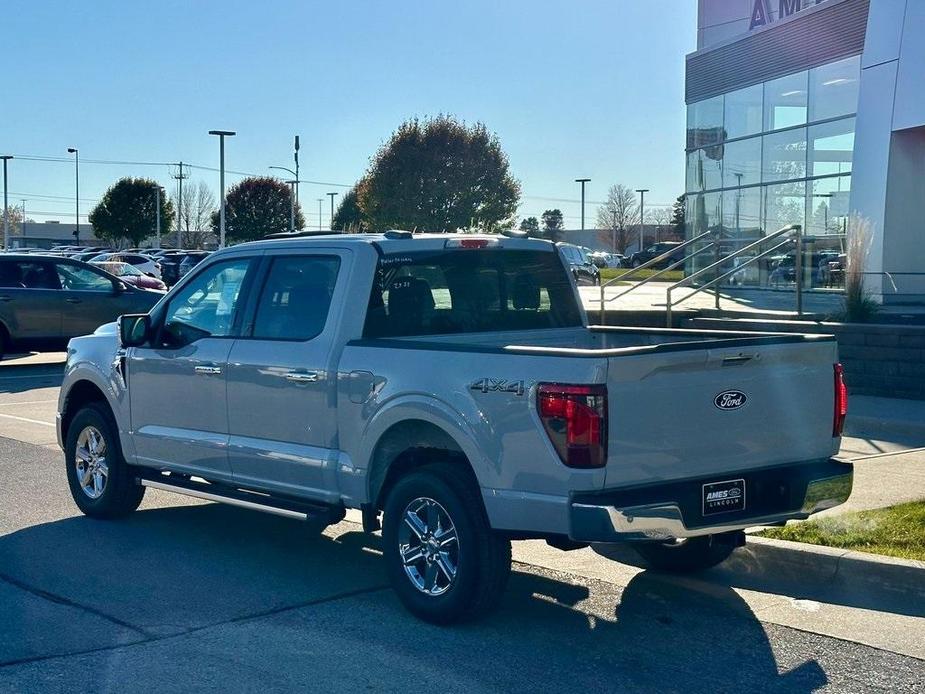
[(134, 329), (119, 286)]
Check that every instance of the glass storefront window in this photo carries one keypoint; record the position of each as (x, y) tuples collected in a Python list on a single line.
[(785, 101), (742, 162), (704, 170), (784, 155), (742, 214), (833, 89), (743, 109), (784, 204), (831, 147), (827, 205), (705, 123)]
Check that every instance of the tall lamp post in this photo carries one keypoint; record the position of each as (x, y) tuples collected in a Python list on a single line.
[(222, 134), (73, 150), (642, 216), (331, 225), (6, 207), (292, 193), (582, 181), (23, 222)]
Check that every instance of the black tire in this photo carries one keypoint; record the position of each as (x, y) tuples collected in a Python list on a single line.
[(636, 263), (483, 558), (120, 494), (691, 555)]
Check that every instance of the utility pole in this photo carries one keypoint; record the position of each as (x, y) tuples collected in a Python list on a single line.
[(157, 209), (23, 223), (582, 181), (642, 216), (320, 223), (73, 150), (331, 225), (296, 157), (180, 176), (6, 208), (292, 186), (222, 134)]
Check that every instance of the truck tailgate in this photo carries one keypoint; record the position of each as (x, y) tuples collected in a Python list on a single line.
[(702, 411)]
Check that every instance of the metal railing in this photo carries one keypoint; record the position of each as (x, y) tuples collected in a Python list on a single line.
[(797, 239), (649, 263)]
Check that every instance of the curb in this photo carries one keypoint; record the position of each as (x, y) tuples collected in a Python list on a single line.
[(821, 563)]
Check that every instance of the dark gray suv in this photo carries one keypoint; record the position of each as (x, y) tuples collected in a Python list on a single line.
[(48, 300)]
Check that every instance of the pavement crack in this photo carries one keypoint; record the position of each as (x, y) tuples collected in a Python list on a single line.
[(67, 602), (152, 638)]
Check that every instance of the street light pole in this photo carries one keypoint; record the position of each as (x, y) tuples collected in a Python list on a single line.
[(23, 222), (6, 207), (222, 134), (642, 216), (157, 212), (295, 156), (73, 150), (582, 181), (292, 194), (331, 225)]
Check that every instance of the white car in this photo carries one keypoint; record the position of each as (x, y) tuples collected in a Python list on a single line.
[(145, 263)]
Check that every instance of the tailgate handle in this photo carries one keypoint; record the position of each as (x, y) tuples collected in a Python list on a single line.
[(735, 360)]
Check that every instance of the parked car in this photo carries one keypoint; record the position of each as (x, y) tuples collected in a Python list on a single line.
[(453, 388), (191, 260), (145, 263), (172, 264), (47, 300), (132, 275), (583, 270), (639, 257)]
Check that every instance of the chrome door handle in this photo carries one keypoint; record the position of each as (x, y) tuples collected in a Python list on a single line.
[(6, 298), (302, 376), (73, 300), (208, 370)]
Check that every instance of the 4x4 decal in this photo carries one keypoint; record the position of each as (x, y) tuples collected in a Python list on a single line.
[(497, 385)]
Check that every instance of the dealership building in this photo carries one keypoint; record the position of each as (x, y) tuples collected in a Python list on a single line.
[(811, 112)]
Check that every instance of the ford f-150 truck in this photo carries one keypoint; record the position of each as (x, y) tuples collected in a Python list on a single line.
[(450, 386)]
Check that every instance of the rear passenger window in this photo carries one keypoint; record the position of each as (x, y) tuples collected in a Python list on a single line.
[(296, 298)]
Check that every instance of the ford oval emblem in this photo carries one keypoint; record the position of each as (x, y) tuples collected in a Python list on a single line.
[(730, 400)]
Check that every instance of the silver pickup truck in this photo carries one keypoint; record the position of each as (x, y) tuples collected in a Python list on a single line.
[(450, 386)]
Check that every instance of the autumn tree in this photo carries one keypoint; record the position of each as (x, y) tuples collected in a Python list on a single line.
[(439, 174), (349, 217), (127, 214), (256, 207), (531, 225), (195, 214), (617, 216)]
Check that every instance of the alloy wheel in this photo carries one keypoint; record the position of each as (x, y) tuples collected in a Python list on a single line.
[(429, 546), (90, 462)]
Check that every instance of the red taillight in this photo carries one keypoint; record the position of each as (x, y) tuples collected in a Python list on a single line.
[(575, 419), (841, 400)]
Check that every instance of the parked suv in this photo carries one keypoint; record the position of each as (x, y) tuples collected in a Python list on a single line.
[(583, 270), (47, 300)]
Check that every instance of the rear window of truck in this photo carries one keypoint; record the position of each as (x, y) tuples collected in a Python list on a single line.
[(469, 291)]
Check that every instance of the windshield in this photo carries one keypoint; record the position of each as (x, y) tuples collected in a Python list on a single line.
[(467, 291)]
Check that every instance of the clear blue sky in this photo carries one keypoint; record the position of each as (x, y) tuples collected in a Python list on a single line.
[(573, 89)]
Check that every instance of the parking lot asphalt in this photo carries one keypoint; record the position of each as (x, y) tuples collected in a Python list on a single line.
[(189, 596)]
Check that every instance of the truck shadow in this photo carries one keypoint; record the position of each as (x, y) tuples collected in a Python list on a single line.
[(175, 570), (745, 569)]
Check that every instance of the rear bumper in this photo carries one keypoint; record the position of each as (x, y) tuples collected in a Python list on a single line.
[(673, 509)]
